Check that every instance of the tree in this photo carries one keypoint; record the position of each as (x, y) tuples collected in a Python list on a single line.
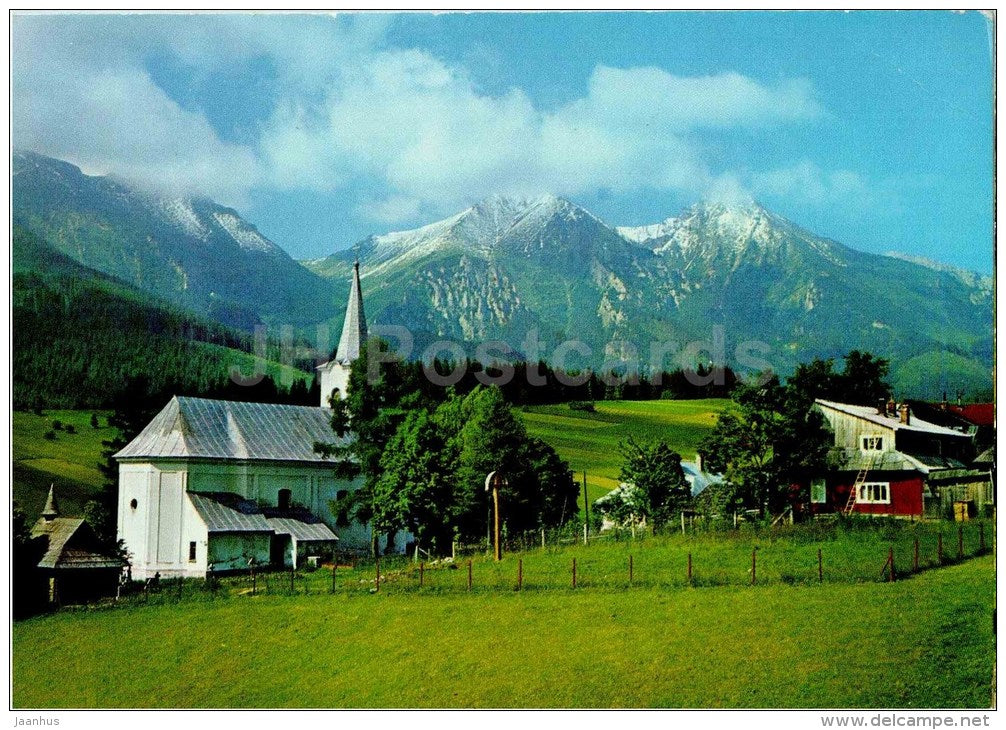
[(861, 382), (770, 439), (654, 469)]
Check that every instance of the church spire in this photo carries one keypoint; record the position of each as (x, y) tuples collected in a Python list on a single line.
[(51, 510), (354, 327)]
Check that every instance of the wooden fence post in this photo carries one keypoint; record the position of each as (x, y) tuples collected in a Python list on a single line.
[(377, 579), (689, 568), (469, 574), (293, 573), (335, 567), (422, 567), (939, 548), (981, 536), (820, 567), (630, 570), (543, 538), (179, 588), (574, 572), (682, 522), (960, 542), (520, 573), (754, 565), (890, 562), (915, 557)]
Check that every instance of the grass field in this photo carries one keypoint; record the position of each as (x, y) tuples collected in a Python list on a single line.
[(589, 441), (922, 642), (70, 461)]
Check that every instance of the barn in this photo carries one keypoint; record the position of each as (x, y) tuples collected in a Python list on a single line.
[(885, 460)]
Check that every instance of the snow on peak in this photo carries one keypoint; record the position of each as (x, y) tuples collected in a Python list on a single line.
[(245, 235), (180, 212)]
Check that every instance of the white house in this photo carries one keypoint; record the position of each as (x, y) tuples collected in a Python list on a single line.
[(216, 485)]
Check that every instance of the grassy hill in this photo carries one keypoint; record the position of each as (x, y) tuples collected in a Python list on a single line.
[(589, 441), (70, 462), (923, 642)]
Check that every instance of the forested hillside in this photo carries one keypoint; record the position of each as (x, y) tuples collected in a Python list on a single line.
[(80, 336)]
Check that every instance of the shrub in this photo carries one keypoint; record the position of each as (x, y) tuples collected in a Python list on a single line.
[(50, 436), (70, 428), (94, 421), (57, 425), (582, 405)]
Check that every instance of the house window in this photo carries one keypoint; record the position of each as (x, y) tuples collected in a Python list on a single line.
[(873, 443), (283, 500), (818, 494), (341, 494), (192, 552), (874, 493)]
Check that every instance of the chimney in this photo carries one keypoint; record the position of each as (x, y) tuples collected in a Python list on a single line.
[(881, 407), (943, 403), (905, 413), (960, 399), (892, 408)]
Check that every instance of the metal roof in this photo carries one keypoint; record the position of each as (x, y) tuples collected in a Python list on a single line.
[(354, 327), (226, 512), (219, 429), (869, 413), (300, 530)]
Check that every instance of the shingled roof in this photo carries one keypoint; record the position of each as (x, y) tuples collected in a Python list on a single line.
[(69, 541), (226, 512), (233, 430)]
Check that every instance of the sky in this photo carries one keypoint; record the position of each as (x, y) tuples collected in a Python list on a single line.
[(872, 128)]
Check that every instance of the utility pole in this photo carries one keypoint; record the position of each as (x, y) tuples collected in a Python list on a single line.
[(495, 480), (586, 509)]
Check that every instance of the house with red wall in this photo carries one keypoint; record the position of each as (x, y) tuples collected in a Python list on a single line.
[(885, 460)]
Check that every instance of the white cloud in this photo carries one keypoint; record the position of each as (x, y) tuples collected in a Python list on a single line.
[(414, 132), (806, 181)]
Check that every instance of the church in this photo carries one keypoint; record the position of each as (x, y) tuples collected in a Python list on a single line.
[(211, 486)]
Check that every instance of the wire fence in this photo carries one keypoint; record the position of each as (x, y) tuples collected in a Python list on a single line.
[(798, 555)]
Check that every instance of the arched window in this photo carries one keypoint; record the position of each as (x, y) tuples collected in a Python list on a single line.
[(283, 500)]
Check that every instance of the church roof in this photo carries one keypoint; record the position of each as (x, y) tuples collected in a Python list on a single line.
[(301, 530), (226, 512), (354, 327), (233, 430)]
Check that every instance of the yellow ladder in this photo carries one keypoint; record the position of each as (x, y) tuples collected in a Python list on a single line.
[(860, 481)]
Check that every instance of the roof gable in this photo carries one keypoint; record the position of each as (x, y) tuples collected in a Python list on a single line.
[(70, 543), (868, 413), (235, 430)]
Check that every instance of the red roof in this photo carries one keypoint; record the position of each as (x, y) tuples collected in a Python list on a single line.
[(980, 414)]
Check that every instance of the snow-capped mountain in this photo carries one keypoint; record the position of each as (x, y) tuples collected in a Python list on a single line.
[(188, 250), (507, 265)]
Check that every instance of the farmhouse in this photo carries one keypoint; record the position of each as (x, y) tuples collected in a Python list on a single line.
[(211, 485), (73, 565), (887, 461)]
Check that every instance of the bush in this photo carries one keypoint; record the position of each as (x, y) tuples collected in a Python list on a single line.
[(582, 405), (50, 436), (94, 421), (57, 425), (70, 428)]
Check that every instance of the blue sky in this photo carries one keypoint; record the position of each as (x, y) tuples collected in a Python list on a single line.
[(873, 128)]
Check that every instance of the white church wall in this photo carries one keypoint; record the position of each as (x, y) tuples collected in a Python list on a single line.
[(232, 551), (160, 529), (334, 376)]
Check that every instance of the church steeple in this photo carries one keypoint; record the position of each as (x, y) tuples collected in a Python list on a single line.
[(335, 373), (354, 326), (51, 510)]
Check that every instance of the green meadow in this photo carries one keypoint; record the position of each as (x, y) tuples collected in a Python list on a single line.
[(70, 461), (923, 642), (590, 441)]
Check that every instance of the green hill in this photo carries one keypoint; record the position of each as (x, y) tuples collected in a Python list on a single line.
[(589, 441)]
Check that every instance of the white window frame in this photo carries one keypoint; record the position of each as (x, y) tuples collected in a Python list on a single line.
[(818, 491), (874, 493), (876, 438)]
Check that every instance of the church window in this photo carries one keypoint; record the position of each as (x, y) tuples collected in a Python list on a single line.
[(341, 494), (192, 552), (132, 503), (283, 500)]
